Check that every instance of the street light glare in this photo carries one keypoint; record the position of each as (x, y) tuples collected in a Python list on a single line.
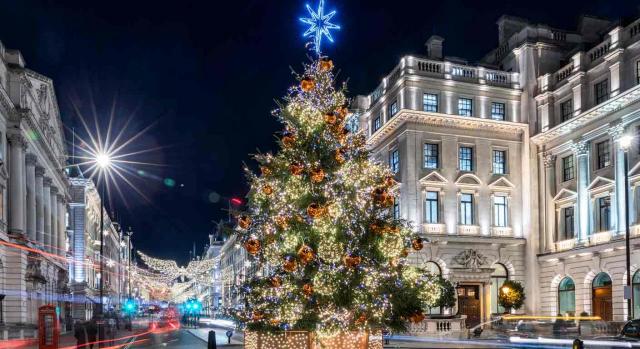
[(103, 160), (625, 141)]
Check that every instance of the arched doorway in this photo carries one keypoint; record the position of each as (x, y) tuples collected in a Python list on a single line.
[(567, 297), (434, 269), (498, 277), (601, 297)]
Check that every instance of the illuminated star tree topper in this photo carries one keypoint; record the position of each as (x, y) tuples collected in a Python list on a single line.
[(319, 25)]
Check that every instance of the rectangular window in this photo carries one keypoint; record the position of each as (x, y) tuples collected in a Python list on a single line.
[(499, 161), (430, 102), (603, 154), (393, 109), (638, 72), (466, 209), (465, 159), (500, 211), (569, 228), (465, 107), (567, 168), (601, 91), (394, 161), (431, 207), (377, 123), (497, 111), (604, 206), (396, 209), (566, 110), (431, 156)]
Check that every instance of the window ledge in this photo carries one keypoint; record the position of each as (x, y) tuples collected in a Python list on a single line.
[(433, 228), (501, 231), (468, 229)]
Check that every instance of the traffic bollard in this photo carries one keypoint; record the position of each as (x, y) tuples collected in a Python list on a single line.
[(211, 344)]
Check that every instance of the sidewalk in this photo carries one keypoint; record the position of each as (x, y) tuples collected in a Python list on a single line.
[(220, 327)]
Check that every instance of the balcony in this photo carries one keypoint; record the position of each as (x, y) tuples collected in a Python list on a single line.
[(600, 238), (468, 230), (501, 231), (438, 326), (433, 228), (565, 245)]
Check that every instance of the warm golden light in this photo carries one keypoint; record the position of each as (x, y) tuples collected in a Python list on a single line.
[(505, 290)]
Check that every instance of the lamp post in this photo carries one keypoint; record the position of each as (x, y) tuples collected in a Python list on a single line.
[(625, 144), (129, 233), (103, 162)]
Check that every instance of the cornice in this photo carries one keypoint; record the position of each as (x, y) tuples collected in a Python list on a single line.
[(446, 120), (600, 111)]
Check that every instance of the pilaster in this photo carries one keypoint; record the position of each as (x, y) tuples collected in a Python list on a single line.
[(46, 199), (30, 162), (581, 151), (549, 161), (39, 175), (54, 220), (17, 188)]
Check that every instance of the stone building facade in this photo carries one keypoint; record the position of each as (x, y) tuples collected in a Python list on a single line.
[(512, 167), (33, 199)]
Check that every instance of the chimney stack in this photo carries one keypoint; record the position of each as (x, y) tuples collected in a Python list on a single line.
[(434, 47)]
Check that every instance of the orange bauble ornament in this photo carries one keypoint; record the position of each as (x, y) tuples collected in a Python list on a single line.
[(307, 84), (417, 317), (265, 171), (361, 319), (404, 253), (281, 222), (330, 118), (288, 140), (296, 169), (316, 210), (325, 64), (417, 244), (352, 261), (275, 281), (317, 175), (290, 265), (307, 289), (342, 112), (377, 227), (257, 316), (267, 189), (381, 196), (339, 156), (252, 246), (390, 182), (305, 254), (244, 222)]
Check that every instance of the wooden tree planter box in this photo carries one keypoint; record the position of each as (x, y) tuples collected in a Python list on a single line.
[(309, 340)]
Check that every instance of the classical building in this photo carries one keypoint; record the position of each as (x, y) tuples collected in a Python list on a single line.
[(33, 199), (512, 168), (84, 222)]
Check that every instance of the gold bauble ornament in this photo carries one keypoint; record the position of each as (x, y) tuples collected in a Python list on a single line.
[(380, 195), (290, 265), (265, 171), (317, 175), (376, 227), (296, 168), (361, 319), (417, 244), (275, 281), (281, 222), (257, 316), (267, 189), (390, 182), (252, 246), (325, 64), (404, 253), (352, 261), (307, 84), (244, 222), (315, 210), (307, 289), (330, 118), (342, 112), (339, 156), (306, 254), (288, 140)]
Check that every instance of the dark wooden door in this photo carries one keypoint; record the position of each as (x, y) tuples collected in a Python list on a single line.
[(469, 303), (602, 303)]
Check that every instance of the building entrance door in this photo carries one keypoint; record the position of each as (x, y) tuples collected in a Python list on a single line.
[(469, 303), (602, 303)]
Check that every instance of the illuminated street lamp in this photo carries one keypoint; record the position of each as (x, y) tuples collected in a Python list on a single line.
[(625, 144), (103, 162)]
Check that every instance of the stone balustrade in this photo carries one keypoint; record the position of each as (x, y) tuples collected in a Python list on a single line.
[(438, 326), (501, 231), (433, 228), (565, 244), (600, 238), (468, 230)]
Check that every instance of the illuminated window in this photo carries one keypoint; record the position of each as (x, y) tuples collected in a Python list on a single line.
[(431, 204), (567, 297), (377, 123), (604, 209), (396, 208), (394, 161), (465, 158), (500, 211), (466, 209), (569, 223), (465, 107), (499, 161), (431, 156), (567, 168), (497, 111), (393, 109), (603, 154), (430, 102), (498, 277)]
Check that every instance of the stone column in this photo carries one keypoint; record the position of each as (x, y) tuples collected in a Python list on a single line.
[(30, 160), (16, 184), (581, 151), (62, 226), (54, 220), (46, 199), (619, 224), (39, 173), (550, 192)]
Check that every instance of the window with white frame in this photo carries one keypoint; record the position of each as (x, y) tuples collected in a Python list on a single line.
[(430, 102), (499, 161), (604, 213), (500, 211), (394, 161), (465, 107), (465, 158), (466, 209), (393, 109), (431, 206), (431, 155), (497, 111), (568, 168)]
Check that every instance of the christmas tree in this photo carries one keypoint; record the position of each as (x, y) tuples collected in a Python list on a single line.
[(320, 225)]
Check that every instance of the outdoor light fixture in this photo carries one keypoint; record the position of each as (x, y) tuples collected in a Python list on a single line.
[(103, 160), (505, 290), (625, 142)]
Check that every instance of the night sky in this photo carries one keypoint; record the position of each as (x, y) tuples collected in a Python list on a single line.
[(204, 76)]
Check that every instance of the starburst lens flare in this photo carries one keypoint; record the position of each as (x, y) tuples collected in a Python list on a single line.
[(103, 160)]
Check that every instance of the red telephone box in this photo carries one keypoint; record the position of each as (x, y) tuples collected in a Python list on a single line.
[(48, 327)]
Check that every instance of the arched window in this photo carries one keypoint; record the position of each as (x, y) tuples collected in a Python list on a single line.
[(636, 294), (434, 269), (601, 297), (567, 297), (498, 277)]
